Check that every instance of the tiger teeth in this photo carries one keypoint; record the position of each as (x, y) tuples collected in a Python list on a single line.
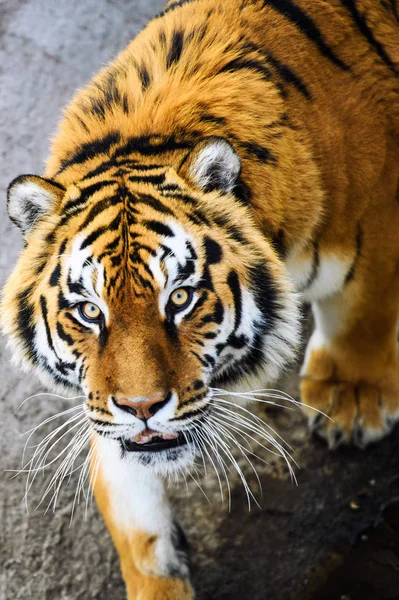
[(148, 434)]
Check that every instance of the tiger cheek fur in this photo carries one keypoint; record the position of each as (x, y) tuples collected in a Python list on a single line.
[(230, 143)]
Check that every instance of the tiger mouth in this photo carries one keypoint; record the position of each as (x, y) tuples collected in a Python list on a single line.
[(153, 441)]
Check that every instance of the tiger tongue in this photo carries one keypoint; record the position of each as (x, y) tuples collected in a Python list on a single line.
[(147, 435)]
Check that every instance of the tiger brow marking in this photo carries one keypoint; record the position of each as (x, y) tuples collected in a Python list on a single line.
[(73, 205), (91, 150), (305, 24), (151, 145)]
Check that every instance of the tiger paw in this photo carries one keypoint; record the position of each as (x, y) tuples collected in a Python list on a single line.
[(349, 413)]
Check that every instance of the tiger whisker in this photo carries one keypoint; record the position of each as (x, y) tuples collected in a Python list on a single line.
[(222, 431), (49, 394), (199, 441), (226, 433), (238, 419), (234, 417), (222, 444), (279, 394), (79, 441), (41, 465), (253, 417), (221, 463)]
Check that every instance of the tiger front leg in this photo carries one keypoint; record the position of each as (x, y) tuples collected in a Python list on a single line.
[(152, 548), (351, 371)]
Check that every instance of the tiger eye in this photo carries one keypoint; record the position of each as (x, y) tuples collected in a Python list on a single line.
[(90, 311), (180, 297)]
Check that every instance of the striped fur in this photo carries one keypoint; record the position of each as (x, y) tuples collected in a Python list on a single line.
[(240, 149)]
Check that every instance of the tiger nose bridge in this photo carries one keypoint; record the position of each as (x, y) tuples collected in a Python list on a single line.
[(143, 407)]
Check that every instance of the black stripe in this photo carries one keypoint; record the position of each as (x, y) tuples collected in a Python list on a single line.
[(261, 153), (278, 242), (98, 106), (242, 191), (153, 203), (149, 145), (144, 77), (102, 168), (176, 48), (265, 293), (305, 24), (99, 231), (235, 288), (73, 206), (233, 231), (218, 313), (209, 359), (213, 251), (395, 9), (85, 194), (209, 118), (189, 415), (77, 323), (63, 335), (368, 34), (288, 75), (98, 208), (132, 164), (359, 242), (91, 150), (153, 179), (110, 89), (200, 302), (43, 306), (247, 365), (202, 361), (159, 228), (315, 268), (25, 324), (55, 275), (251, 64)]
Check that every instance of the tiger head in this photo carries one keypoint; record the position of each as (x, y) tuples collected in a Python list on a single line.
[(144, 287)]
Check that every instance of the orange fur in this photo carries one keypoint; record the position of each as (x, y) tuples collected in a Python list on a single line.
[(307, 96)]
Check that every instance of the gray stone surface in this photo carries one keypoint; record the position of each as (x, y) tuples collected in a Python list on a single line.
[(300, 536)]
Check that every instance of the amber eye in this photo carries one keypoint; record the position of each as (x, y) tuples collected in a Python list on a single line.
[(180, 298), (90, 312)]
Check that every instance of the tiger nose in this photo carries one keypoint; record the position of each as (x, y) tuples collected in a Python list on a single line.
[(142, 408)]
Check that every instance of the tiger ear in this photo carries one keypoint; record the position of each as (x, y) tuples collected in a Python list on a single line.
[(29, 198), (214, 165)]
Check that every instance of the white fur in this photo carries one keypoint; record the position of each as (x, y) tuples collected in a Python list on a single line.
[(23, 196), (217, 156), (139, 503), (331, 274)]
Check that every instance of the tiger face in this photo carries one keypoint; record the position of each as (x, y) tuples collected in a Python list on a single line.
[(144, 289)]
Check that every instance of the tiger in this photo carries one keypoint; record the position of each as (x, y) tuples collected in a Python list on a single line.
[(238, 158)]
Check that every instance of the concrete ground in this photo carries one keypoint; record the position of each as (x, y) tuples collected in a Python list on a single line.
[(334, 536)]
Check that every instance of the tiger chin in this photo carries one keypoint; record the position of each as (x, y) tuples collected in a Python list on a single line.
[(236, 158)]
